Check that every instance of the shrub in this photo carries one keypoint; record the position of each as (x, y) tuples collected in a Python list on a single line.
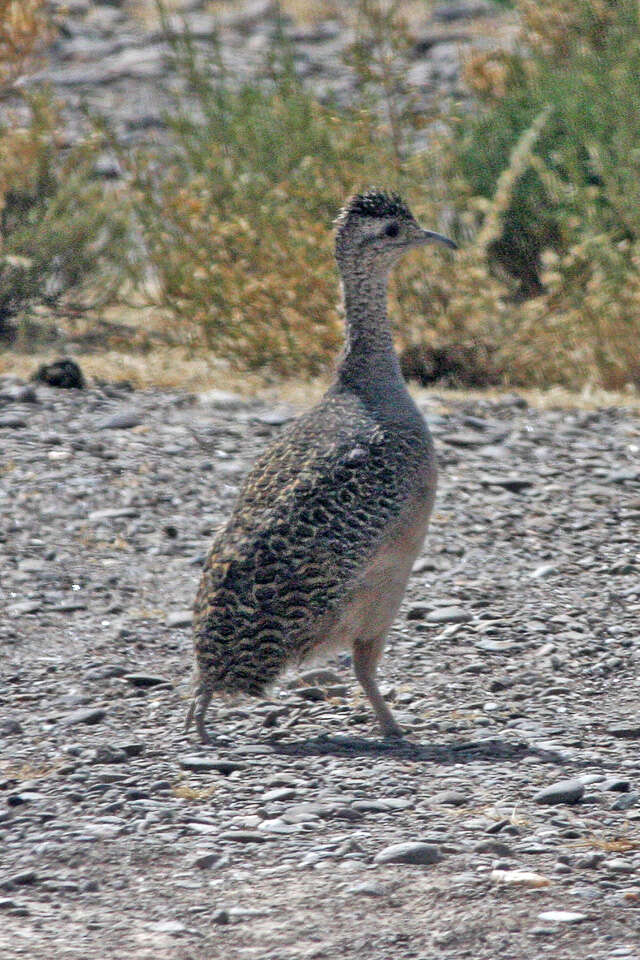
[(237, 224), (25, 27), (540, 185), (569, 232), (59, 230)]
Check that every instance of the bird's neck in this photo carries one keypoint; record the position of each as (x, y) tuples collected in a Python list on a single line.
[(369, 347)]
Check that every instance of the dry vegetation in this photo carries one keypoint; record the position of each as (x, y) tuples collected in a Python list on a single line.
[(539, 186)]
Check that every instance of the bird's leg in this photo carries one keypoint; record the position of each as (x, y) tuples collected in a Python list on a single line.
[(197, 711), (366, 654)]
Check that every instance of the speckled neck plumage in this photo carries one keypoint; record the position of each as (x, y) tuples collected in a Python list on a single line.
[(369, 365)]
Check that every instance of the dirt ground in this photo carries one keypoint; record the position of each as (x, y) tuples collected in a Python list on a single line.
[(513, 667)]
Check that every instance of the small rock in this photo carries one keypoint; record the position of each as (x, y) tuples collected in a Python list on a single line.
[(244, 836), (144, 680), (278, 795), (514, 484), (114, 513), (451, 798), (203, 861), (565, 791), (90, 715), (20, 393), (561, 916), (449, 615), (625, 802), (180, 618), (203, 764), (417, 853), (63, 373), (23, 879), (520, 878), (616, 785), (544, 570), (496, 847), (367, 889), (124, 420), (618, 865), (625, 731), (23, 607), (12, 422)]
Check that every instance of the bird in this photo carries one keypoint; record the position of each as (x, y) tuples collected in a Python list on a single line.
[(328, 523)]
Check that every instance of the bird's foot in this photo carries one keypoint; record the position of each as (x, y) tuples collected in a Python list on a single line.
[(392, 731), (197, 711)]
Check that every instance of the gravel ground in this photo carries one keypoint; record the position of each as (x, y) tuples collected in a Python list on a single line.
[(513, 665)]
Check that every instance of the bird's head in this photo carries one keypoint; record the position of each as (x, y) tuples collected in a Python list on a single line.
[(376, 228)]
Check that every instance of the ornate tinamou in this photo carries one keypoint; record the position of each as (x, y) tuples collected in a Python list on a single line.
[(317, 552)]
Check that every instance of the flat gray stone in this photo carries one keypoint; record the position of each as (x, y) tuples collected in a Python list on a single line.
[(180, 618), (124, 420), (113, 513), (416, 853), (449, 615), (203, 764), (625, 731), (89, 716), (565, 791), (146, 680), (23, 607)]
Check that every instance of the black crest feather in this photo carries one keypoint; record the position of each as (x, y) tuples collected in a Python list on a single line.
[(373, 203)]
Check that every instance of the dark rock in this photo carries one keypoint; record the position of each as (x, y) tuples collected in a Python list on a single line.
[(90, 715), (417, 853), (25, 878), (144, 680), (12, 421), (179, 618), (449, 615), (565, 791), (63, 373), (624, 731), (204, 764)]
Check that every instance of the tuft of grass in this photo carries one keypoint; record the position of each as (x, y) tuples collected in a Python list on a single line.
[(569, 227), (187, 792)]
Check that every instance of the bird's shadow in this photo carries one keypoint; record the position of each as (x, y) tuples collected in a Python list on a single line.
[(456, 752)]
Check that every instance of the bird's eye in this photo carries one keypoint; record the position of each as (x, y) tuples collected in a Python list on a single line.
[(391, 230)]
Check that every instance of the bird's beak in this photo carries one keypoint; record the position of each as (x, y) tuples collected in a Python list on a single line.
[(429, 236)]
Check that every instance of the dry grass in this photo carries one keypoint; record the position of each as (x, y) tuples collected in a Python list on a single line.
[(187, 792), (176, 368)]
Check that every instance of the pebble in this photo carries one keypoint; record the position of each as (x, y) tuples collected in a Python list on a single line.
[(204, 764), (565, 791), (179, 618), (206, 859), (244, 836), (561, 916), (145, 680), (113, 513), (410, 852), (124, 420), (23, 607), (520, 878), (449, 615), (91, 715), (11, 421), (626, 731)]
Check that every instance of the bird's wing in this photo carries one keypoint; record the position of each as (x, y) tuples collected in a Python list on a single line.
[(310, 514)]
